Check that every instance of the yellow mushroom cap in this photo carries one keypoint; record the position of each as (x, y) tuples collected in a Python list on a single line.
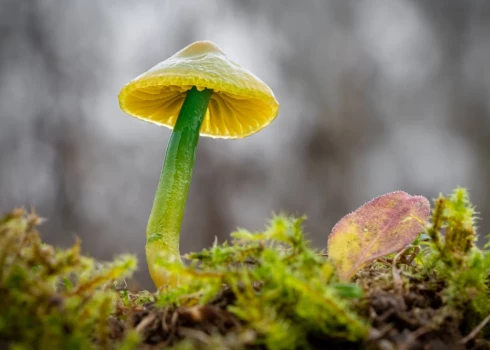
[(241, 104)]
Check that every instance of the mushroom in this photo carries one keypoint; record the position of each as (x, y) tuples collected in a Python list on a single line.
[(197, 91)]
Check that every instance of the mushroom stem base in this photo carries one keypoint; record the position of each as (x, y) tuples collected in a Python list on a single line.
[(163, 229)]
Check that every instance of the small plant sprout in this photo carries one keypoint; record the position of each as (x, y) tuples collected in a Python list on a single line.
[(197, 91)]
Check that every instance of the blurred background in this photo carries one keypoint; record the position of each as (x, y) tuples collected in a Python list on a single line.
[(375, 96)]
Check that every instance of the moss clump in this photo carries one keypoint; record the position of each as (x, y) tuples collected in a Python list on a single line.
[(282, 289), (262, 290), (451, 258), (52, 298)]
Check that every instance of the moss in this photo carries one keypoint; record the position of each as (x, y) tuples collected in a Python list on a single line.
[(452, 258), (52, 298), (267, 289)]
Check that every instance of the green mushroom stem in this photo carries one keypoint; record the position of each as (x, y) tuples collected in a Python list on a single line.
[(163, 229)]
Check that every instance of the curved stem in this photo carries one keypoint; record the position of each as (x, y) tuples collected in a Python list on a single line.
[(163, 229)]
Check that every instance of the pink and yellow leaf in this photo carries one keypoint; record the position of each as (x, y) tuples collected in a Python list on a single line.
[(385, 225)]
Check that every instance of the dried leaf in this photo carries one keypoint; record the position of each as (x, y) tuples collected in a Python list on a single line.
[(385, 225)]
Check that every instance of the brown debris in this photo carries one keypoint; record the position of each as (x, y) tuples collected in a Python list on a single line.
[(411, 317), (164, 326)]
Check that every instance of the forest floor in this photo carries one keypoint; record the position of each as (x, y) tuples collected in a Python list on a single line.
[(264, 290)]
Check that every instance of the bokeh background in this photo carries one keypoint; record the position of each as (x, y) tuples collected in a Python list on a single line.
[(375, 96)]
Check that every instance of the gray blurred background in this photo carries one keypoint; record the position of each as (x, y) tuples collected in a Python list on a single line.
[(375, 96)]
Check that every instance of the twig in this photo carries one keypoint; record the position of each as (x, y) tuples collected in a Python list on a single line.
[(475, 331), (412, 337), (194, 333), (164, 319), (397, 281), (144, 323), (411, 258)]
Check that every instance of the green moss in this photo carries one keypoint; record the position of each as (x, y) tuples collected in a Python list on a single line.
[(452, 258), (50, 298), (267, 289), (283, 287)]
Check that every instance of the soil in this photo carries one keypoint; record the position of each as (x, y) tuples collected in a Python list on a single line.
[(401, 318)]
